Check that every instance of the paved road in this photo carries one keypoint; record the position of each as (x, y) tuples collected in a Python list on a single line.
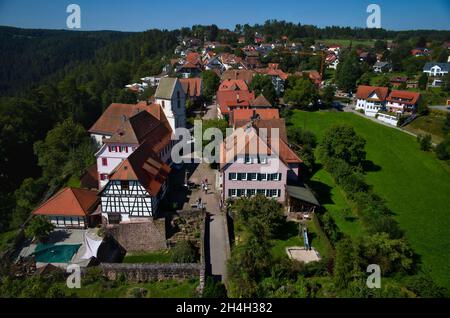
[(211, 112), (444, 108), (217, 234)]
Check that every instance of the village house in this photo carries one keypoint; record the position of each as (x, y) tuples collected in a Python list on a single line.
[(371, 99), (193, 88), (131, 133), (136, 187), (332, 61), (397, 81), (71, 208), (240, 117), (436, 69), (402, 101), (245, 75), (233, 85), (111, 119), (382, 67), (253, 161), (277, 75), (232, 99)]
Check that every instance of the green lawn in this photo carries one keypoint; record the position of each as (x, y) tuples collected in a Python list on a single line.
[(333, 200), (148, 257), (293, 239), (163, 289), (415, 184)]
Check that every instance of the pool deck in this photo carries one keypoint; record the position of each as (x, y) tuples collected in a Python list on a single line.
[(63, 237)]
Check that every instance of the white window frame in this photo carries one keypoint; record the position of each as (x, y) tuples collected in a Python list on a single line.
[(230, 176)]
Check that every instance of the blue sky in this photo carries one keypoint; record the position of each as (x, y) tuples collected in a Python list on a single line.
[(136, 15)]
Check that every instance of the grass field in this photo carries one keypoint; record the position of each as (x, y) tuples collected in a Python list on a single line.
[(415, 185), (153, 257), (346, 42), (430, 124), (163, 289)]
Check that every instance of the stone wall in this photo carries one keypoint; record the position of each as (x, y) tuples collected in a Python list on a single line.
[(152, 272), (143, 236)]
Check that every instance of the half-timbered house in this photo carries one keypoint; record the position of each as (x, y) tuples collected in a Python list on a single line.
[(135, 187), (130, 134)]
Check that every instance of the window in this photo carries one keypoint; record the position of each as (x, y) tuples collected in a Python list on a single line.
[(263, 176), (232, 176), (109, 148), (104, 161), (123, 149), (263, 160), (240, 192), (252, 176), (232, 192), (103, 176), (114, 218), (251, 192), (248, 160), (163, 104), (261, 191), (125, 185), (273, 193)]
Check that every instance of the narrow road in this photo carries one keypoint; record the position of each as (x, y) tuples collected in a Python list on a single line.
[(216, 229)]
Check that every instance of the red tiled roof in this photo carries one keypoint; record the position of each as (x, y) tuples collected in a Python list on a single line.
[(246, 75), (70, 202), (89, 179), (192, 86), (261, 146), (404, 97), (113, 116), (227, 99), (193, 58), (144, 166), (233, 85), (364, 92), (245, 115), (261, 101), (137, 128)]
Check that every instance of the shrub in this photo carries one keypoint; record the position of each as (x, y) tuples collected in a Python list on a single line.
[(424, 286), (92, 275), (424, 142), (39, 227), (137, 292), (184, 252), (443, 150), (214, 289)]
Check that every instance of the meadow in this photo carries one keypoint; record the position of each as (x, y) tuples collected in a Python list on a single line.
[(415, 185)]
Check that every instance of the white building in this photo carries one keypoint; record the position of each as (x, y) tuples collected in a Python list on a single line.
[(170, 95), (136, 187), (371, 99), (122, 128), (436, 69)]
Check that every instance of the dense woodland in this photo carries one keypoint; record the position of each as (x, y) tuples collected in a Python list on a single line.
[(55, 84)]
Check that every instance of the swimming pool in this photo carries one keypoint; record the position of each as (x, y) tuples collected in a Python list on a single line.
[(51, 253)]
